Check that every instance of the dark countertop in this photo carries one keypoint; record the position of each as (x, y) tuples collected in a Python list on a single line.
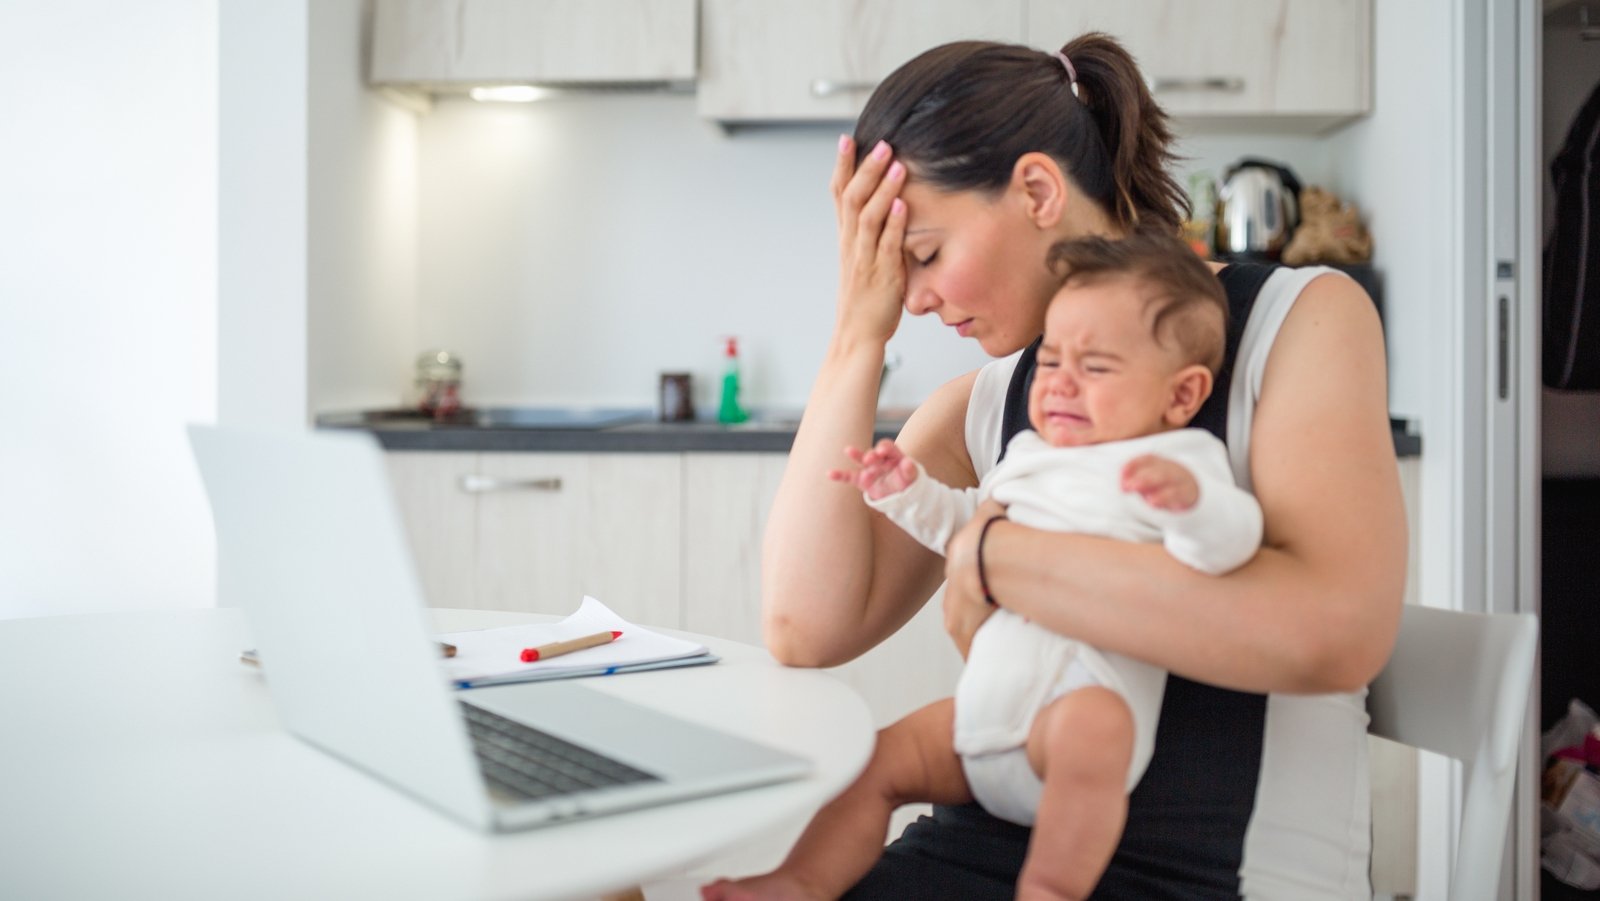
[(615, 430)]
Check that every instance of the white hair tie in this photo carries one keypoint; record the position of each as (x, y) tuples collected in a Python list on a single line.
[(1072, 72)]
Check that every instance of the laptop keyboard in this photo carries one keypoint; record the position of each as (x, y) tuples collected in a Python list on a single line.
[(523, 761)]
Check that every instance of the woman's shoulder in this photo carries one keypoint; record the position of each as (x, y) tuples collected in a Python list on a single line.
[(1327, 308), (1247, 284), (1315, 386), (1274, 294), (1328, 283), (1296, 294), (1263, 298)]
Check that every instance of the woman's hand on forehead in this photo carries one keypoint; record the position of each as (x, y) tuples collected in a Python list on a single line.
[(872, 226)]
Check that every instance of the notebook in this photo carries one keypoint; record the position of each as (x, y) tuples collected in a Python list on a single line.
[(311, 548), (493, 656)]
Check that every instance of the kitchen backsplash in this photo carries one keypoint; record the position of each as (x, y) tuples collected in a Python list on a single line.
[(570, 250)]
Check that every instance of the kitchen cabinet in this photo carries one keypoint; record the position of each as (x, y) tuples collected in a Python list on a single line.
[(1242, 62), (1296, 64), (727, 497), (554, 527), (439, 44), (535, 532), (440, 523), (811, 60)]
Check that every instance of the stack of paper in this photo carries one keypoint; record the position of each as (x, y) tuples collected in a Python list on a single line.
[(493, 656)]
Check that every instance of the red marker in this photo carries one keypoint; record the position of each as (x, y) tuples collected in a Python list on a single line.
[(557, 648)]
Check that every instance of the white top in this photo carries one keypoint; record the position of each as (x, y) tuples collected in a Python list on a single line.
[(1309, 838)]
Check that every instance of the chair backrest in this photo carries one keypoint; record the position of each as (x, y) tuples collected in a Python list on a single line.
[(1457, 684)]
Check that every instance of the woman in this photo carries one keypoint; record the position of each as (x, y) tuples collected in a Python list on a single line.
[(966, 165)]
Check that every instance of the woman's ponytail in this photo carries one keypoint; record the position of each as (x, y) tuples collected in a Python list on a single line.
[(1134, 130), (962, 114)]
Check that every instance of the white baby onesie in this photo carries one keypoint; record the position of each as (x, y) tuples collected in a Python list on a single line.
[(1015, 667)]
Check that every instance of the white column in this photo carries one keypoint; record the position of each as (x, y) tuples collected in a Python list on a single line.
[(262, 226)]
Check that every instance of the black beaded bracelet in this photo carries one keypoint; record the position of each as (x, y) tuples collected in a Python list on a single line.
[(983, 580)]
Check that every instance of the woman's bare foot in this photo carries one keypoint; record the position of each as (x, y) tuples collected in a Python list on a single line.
[(776, 886)]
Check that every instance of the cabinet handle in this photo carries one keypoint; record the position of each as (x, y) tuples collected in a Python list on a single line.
[(476, 484), (1503, 349), (1215, 83), (828, 87)]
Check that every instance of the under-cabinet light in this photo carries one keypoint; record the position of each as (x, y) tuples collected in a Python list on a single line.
[(509, 93)]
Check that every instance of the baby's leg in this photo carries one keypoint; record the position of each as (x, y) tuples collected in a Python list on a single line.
[(1080, 745), (913, 761)]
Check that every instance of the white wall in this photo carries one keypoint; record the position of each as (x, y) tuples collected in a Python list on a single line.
[(1212, 152), (1391, 164), (573, 248), (107, 302), (1571, 420), (318, 237), (262, 218), (361, 226)]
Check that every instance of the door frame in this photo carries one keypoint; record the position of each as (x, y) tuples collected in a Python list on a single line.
[(1499, 46)]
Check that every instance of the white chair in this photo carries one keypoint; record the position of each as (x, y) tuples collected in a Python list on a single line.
[(1457, 684)]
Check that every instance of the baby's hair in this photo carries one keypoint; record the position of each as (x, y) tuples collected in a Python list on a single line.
[(1190, 305)]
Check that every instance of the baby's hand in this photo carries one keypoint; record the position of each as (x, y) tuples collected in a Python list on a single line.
[(885, 470), (1162, 483)]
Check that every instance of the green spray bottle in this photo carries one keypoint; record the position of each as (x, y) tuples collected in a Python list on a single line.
[(730, 411)]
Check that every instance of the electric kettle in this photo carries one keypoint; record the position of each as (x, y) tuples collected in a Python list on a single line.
[(1258, 208)]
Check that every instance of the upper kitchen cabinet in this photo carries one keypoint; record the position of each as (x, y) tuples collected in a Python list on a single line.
[(442, 45), (815, 60), (1296, 63)]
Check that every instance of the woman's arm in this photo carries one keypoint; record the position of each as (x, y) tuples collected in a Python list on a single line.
[(838, 578), (1317, 609)]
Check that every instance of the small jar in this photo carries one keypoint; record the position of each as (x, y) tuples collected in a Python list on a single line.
[(438, 384)]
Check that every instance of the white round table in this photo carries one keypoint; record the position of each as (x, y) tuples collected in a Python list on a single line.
[(140, 759)]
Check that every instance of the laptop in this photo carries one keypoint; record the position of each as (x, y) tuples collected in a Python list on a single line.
[(312, 550)]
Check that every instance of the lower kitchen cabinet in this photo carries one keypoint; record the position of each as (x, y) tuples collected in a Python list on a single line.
[(726, 499), (440, 522), (535, 532), (554, 527)]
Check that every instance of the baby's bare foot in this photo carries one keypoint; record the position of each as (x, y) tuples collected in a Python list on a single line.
[(771, 887)]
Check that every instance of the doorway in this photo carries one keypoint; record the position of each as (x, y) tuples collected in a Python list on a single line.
[(1570, 420)]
